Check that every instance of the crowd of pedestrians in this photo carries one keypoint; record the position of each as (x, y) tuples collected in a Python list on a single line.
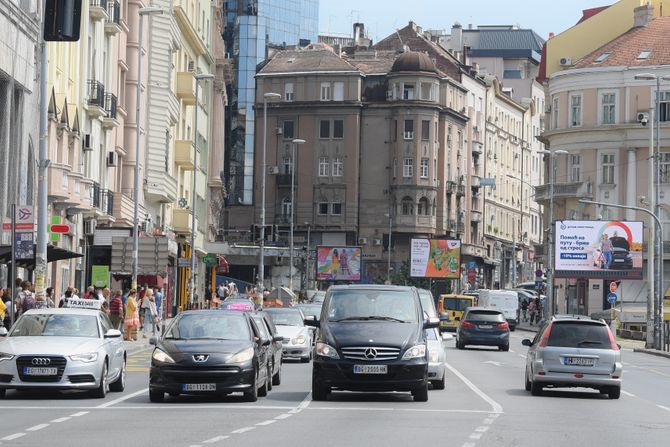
[(531, 311)]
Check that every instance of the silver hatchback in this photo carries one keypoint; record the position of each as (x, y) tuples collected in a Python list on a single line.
[(574, 351)]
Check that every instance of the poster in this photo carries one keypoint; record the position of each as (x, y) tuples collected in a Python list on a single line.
[(598, 249), (436, 258), (25, 245), (338, 263), (100, 276)]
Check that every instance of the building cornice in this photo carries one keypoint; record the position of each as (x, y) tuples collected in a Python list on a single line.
[(307, 73)]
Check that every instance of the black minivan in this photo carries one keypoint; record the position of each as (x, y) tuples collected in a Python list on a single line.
[(371, 338)]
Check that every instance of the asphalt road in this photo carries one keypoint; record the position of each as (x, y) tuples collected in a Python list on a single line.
[(484, 404)]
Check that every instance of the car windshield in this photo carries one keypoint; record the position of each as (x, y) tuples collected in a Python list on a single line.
[(579, 334), (286, 318), (310, 310), (209, 326), (56, 325), (388, 305), (427, 303), (484, 315), (459, 304)]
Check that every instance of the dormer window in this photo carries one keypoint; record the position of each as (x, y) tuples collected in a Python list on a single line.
[(644, 54), (602, 57)]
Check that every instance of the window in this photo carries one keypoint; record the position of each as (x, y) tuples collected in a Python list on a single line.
[(575, 110), (449, 138), (424, 207), (554, 114), (608, 168), (664, 107), (324, 164), (338, 167), (644, 54), (288, 130), (324, 129), (407, 206), (575, 167), (602, 57), (338, 129), (608, 104), (395, 131), (325, 91), (286, 208), (336, 209), (408, 168), (395, 167), (322, 208), (425, 130), (286, 163), (665, 167), (338, 91), (426, 91), (409, 130), (408, 91), (424, 168), (288, 91)]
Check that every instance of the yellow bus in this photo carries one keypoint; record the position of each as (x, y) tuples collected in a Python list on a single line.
[(453, 305)]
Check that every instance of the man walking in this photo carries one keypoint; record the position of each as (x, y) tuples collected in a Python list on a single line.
[(116, 310)]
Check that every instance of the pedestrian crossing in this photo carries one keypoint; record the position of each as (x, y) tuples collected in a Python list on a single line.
[(139, 362)]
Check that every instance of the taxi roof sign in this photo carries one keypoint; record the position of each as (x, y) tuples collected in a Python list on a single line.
[(79, 303)]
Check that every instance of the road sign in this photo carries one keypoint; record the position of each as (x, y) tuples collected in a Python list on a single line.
[(613, 286), (611, 297), (184, 262), (60, 228), (25, 246), (487, 182)]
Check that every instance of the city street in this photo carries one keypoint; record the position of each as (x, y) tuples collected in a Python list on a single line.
[(484, 404)]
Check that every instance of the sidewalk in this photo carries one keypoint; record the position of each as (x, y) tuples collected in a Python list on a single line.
[(655, 352)]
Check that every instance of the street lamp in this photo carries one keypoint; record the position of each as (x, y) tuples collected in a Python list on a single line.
[(550, 271), (308, 261), (198, 78), (295, 142), (261, 257), (388, 266), (148, 11)]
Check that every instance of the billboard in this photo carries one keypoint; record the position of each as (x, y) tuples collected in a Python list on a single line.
[(436, 258), (598, 249), (338, 263)]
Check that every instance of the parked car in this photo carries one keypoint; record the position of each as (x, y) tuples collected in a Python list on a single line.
[(621, 257), (437, 358), (297, 337), (574, 351), (483, 326)]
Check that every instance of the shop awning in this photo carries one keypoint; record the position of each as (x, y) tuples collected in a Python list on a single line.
[(53, 254), (150, 280)]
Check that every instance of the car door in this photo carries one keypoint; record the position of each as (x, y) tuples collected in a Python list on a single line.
[(262, 352), (278, 346), (532, 349), (113, 347)]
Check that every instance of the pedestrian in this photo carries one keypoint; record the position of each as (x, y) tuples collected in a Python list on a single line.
[(524, 309), (132, 317), (3, 312), (27, 297), (6, 298), (66, 296), (148, 309), (532, 309), (158, 294), (116, 310), (606, 248)]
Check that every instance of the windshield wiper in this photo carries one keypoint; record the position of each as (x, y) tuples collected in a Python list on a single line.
[(378, 317), (589, 342), (360, 318)]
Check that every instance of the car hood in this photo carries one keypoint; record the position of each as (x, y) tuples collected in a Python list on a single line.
[(354, 333), (620, 242), (204, 346), (49, 345), (289, 332)]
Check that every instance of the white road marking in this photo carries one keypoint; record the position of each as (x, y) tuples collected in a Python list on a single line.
[(626, 393), (493, 363), (81, 413), (663, 408), (239, 431), (12, 437), (37, 427), (488, 421), (216, 439), (494, 415), (497, 408), (481, 429), (522, 356), (475, 435), (512, 351), (283, 416), (658, 372), (66, 418), (195, 445), (268, 422), (469, 444), (121, 399)]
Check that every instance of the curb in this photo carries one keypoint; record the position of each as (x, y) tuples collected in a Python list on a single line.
[(653, 352)]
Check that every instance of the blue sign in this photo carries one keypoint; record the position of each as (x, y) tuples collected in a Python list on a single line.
[(611, 298), (472, 265), (538, 284)]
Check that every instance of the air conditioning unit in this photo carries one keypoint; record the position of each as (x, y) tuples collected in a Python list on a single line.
[(565, 62), (112, 159), (642, 117), (191, 66), (86, 143), (273, 170), (362, 241), (89, 227), (376, 242), (280, 130)]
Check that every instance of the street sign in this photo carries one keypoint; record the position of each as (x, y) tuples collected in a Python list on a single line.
[(611, 297), (25, 246), (152, 257), (184, 262), (60, 228), (487, 182)]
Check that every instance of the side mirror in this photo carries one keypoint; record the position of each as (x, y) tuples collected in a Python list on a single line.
[(153, 341), (113, 333), (3, 331), (311, 320), (431, 323), (444, 317), (266, 342), (277, 338), (526, 342)]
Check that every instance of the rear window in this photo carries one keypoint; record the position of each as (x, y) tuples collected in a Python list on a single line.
[(459, 304), (569, 334), (485, 315)]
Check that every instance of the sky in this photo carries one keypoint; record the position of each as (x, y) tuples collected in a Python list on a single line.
[(381, 17)]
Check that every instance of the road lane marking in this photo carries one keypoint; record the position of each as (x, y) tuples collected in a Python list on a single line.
[(81, 413), (283, 416), (268, 422), (63, 419), (494, 415), (626, 393), (475, 435), (660, 373), (239, 431), (497, 408), (512, 351), (12, 437), (121, 399), (216, 439), (469, 444), (37, 427), (481, 429), (663, 408), (488, 421)]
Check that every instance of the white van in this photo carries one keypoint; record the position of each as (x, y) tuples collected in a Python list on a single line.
[(505, 301)]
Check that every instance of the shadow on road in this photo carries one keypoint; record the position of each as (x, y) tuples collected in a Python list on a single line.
[(348, 396), (49, 395), (565, 393)]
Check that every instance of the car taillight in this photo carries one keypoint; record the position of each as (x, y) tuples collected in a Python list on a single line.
[(613, 344), (466, 324), (440, 309), (545, 337), (504, 325)]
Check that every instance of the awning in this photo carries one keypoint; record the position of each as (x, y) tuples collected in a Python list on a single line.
[(53, 254), (150, 280)]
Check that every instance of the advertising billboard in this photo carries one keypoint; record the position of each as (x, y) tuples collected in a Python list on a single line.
[(598, 249), (338, 263), (436, 258)]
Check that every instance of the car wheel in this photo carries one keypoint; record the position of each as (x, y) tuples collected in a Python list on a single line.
[(156, 395), (101, 391), (319, 392), (252, 394), (614, 392), (120, 383), (535, 389), (440, 384), (504, 347), (270, 369), (421, 394), (527, 381), (263, 390), (276, 379)]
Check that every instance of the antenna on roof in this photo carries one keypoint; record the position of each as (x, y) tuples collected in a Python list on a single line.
[(402, 44)]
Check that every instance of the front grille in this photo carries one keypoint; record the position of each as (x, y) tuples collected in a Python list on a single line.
[(27, 362), (201, 375), (359, 353), (81, 378), (6, 378)]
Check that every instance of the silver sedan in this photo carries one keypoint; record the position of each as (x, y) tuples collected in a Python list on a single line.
[(62, 349), (437, 359)]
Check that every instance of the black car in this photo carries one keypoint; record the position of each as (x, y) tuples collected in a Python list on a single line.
[(210, 352), (484, 327), (269, 332), (621, 257), (371, 338)]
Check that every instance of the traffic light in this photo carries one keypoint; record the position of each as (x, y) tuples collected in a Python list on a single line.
[(62, 20)]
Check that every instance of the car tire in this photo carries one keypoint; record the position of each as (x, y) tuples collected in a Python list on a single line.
[(504, 348), (527, 381), (535, 389), (252, 394), (120, 383), (512, 328), (101, 391), (614, 392), (263, 390), (440, 384), (319, 392), (156, 395), (270, 369), (421, 394), (276, 379)]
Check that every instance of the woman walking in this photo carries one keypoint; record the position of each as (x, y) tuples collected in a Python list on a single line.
[(150, 313), (132, 320)]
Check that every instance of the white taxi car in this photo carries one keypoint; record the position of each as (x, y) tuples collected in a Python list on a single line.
[(68, 348)]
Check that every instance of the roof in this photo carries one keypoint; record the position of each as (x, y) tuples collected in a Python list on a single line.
[(509, 39), (312, 58), (625, 49), (378, 63), (415, 62)]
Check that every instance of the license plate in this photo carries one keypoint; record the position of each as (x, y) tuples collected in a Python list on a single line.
[(30, 371), (618, 260), (198, 387), (370, 369), (578, 361), (485, 326)]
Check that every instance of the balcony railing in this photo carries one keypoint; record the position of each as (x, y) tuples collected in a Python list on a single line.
[(574, 190), (461, 190), (96, 98), (114, 11), (451, 187), (109, 203), (451, 224), (98, 9), (110, 105)]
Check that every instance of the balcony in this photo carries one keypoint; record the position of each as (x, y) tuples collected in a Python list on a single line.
[(98, 9), (460, 191), (184, 154), (113, 23), (109, 119), (123, 208), (451, 187), (186, 87), (477, 148), (160, 186), (96, 99), (181, 221), (574, 190), (475, 216)]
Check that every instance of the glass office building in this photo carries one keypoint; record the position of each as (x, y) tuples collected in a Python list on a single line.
[(253, 26)]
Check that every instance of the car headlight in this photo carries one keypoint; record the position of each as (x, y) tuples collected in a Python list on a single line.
[(415, 352), (242, 356), (5, 356), (161, 356), (86, 358), (299, 340), (434, 356), (325, 350)]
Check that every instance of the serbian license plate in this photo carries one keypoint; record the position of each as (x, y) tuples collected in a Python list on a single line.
[(579, 361), (370, 369), (30, 371), (198, 387), (485, 326)]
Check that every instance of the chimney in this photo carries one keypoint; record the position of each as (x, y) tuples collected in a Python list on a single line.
[(475, 68), (643, 15), (457, 37)]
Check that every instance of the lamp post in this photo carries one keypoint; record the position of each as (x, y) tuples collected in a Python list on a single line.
[(308, 261), (295, 142), (194, 229), (261, 257), (388, 265), (550, 269), (150, 10)]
